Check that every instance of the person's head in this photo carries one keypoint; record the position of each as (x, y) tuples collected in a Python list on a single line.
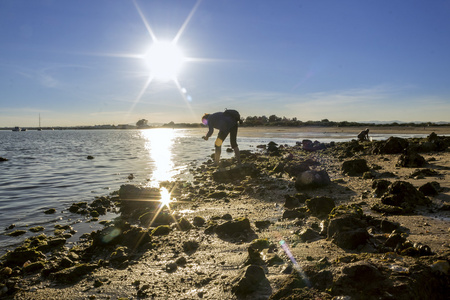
[(367, 130), (205, 119)]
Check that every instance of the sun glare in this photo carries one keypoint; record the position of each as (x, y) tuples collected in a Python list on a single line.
[(165, 60), (165, 198), (159, 142)]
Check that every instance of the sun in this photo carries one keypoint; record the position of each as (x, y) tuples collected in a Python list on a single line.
[(165, 60)]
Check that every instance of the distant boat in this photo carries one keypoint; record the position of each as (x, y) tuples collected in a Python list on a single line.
[(16, 129), (39, 129), (23, 129)]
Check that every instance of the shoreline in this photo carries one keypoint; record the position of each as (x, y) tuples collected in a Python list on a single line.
[(256, 131)]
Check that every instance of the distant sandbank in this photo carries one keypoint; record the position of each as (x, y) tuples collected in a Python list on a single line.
[(258, 131)]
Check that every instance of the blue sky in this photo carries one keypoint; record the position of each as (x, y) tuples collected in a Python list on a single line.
[(83, 62)]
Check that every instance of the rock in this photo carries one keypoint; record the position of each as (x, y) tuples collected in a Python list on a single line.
[(293, 287), (390, 209), (33, 267), (411, 160), (294, 214), (312, 179), (249, 281), (355, 167), (73, 274), (199, 221), (295, 168), (119, 255), (134, 237), (184, 224), (50, 211), (237, 173), (17, 232), (233, 228), (161, 230), (393, 145), (394, 239), (320, 206), (190, 246), (262, 224), (422, 173), (441, 267), (357, 279), (20, 256), (430, 188), (380, 186), (308, 235), (404, 195), (132, 199), (348, 231), (388, 226)]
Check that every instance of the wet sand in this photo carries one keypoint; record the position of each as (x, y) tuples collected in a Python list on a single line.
[(210, 271)]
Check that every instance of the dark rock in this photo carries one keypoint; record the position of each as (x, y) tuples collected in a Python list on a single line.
[(295, 168), (237, 173), (190, 246), (150, 219), (430, 188), (17, 232), (348, 231), (394, 239), (393, 145), (50, 211), (293, 214), (355, 167), (132, 198), (388, 226), (119, 255), (161, 230), (73, 274), (33, 267), (422, 173), (134, 237), (358, 279), (320, 206), (291, 202), (19, 256), (405, 195), (380, 186), (262, 224), (184, 224), (308, 235), (389, 209), (199, 221), (249, 281), (411, 160), (294, 287), (231, 228), (312, 179)]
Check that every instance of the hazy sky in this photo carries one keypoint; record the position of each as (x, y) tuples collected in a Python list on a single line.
[(87, 62)]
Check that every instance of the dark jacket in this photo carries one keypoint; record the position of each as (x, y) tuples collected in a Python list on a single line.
[(220, 121)]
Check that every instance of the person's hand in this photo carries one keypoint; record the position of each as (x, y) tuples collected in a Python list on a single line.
[(205, 138)]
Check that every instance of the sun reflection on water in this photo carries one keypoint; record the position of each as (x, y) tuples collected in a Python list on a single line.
[(159, 143)]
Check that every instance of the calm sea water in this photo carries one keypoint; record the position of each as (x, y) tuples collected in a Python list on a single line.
[(50, 169)]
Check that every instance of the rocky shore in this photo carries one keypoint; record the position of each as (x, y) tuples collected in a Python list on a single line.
[(349, 220)]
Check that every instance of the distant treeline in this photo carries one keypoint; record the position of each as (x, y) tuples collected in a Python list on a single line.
[(273, 120)]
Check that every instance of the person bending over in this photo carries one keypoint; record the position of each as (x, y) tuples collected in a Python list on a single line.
[(363, 135), (226, 125)]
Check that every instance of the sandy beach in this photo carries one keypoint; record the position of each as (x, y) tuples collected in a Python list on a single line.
[(265, 230)]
